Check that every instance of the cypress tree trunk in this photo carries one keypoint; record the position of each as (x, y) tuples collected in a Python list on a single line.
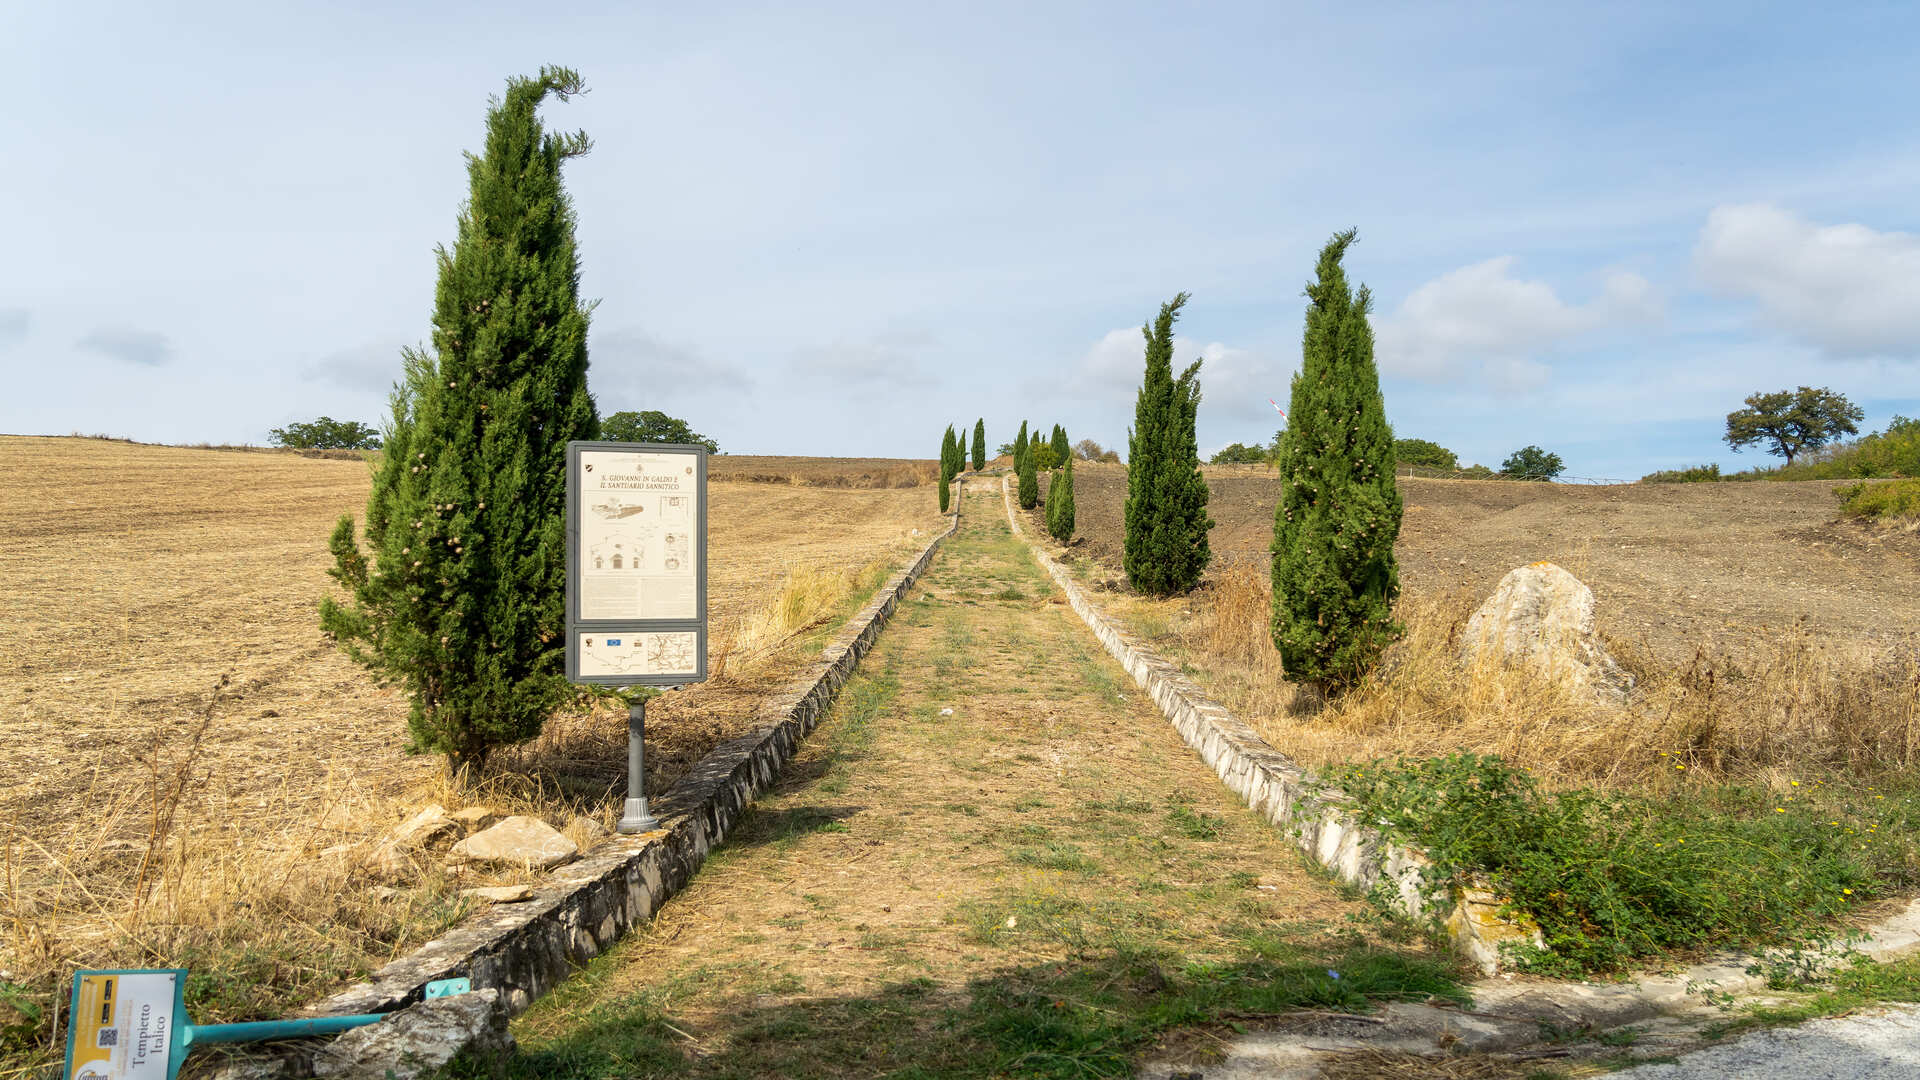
[(1334, 574), (979, 444), (1166, 523), (462, 601)]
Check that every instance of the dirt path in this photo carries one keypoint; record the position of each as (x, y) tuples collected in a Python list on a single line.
[(994, 858)]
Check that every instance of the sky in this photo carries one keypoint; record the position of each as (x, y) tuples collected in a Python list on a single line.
[(834, 229)]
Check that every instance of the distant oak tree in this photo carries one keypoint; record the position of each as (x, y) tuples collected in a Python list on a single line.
[(653, 426), (1791, 422), (327, 433)]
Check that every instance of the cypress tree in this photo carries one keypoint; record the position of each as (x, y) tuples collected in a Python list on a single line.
[(1334, 575), (1061, 451), (1029, 479), (1020, 449), (946, 493), (979, 444), (1060, 503), (1166, 510), (946, 455), (462, 600)]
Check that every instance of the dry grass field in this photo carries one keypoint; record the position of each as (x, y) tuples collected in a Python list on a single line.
[(1771, 640), (193, 770)]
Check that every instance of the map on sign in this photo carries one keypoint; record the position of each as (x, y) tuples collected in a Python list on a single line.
[(637, 536), (642, 653)]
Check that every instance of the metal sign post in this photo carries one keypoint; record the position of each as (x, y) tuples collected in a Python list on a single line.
[(133, 1024), (636, 579)]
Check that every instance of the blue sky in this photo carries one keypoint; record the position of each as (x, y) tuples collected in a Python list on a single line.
[(834, 229)]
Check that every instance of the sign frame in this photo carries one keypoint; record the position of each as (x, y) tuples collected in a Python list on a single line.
[(577, 627)]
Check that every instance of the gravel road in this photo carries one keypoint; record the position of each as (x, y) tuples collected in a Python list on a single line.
[(1881, 1045)]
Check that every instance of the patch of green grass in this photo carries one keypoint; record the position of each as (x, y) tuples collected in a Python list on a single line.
[(1842, 990), (1056, 856), (1617, 879), (1195, 825)]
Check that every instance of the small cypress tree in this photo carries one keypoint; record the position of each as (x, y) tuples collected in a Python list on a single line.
[(946, 493), (979, 444), (1061, 450), (946, 455), (1060, 503), (1166, 523), (1029, 483), (1334, 575), (462, 601)]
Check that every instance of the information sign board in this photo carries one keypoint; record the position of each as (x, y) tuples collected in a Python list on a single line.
[(125, 1024), (636, 563)]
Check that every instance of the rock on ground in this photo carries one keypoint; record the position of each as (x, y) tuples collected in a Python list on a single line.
[(418, 1039), (519, 841), (1542, 616)]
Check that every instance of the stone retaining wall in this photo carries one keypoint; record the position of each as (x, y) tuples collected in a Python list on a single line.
[(523, 950), (1278, 788)]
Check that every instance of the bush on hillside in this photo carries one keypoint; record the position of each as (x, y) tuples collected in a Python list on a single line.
[(1697, 474), (1424, 453), (1886, 499), (1239, 454)]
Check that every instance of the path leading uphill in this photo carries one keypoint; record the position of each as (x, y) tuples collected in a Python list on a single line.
[(995, 857)]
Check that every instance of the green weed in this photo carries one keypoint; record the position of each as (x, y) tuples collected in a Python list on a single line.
[(1614, 879)]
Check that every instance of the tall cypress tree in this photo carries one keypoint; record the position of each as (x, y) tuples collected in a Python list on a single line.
[(1061, 451), (1029, 477), (946, 455), (1166, 510), (463, 599), (1020, 449), (1060, 503), (1334, 575), (979, 444)]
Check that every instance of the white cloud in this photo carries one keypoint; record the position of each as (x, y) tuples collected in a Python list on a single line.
[(886, 362), (1847, 290), (628, 368), (13, 325), (129, 346), (370, 367), (1482, 314), (1234, 382)]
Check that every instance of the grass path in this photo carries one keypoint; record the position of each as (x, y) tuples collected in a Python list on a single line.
[(993, 858)]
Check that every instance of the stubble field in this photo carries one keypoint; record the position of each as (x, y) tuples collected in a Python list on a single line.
[(1673, 567)]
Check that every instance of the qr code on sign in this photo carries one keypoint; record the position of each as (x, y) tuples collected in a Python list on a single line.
[(108, 1037)]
